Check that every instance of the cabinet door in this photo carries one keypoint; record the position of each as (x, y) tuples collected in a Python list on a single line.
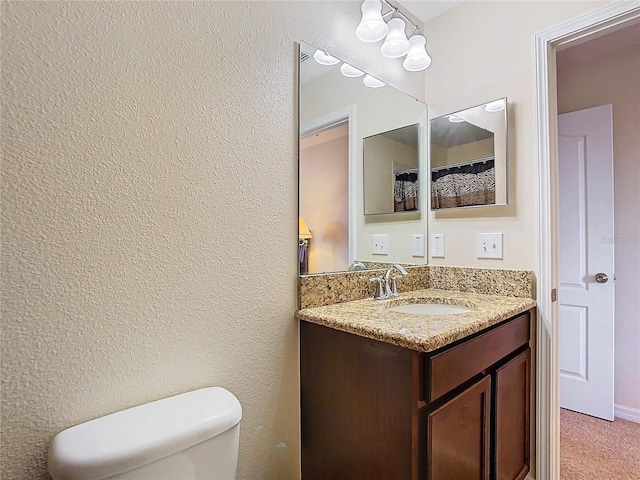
[(512, 421), (359, 404), (458, 435)]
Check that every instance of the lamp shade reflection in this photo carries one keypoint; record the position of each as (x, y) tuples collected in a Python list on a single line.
[(303, 231)]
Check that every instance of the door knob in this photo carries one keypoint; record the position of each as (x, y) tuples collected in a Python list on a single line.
[(601, 278)]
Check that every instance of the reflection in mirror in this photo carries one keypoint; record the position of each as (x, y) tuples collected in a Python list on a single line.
[(338, 110), (469, 157), (391, 171)]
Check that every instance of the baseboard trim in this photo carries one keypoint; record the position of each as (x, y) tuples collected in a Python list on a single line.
[(626, 413)]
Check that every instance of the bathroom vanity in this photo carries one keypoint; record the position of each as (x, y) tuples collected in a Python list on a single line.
[(390, 395)]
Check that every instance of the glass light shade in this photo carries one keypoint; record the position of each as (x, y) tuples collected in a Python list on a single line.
[(396, 44), (496, 106), (323, 58), (372, 26), (372, 82), (417, 58), (349, 71)]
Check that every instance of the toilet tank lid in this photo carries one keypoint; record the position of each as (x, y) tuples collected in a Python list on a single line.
[(137, 436)]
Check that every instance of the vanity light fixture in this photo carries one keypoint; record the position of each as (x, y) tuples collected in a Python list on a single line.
[(373, 28), (349, 71), (396, 44), (496, 106), (323, 58), (372, 82), (417, 59)]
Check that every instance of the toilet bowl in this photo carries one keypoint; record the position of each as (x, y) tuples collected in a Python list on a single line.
[(194, 435)]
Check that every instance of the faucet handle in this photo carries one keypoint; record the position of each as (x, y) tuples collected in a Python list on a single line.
[(380, 290), (394, 290)]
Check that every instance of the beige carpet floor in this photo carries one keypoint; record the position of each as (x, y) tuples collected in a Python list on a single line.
[(591, 448)]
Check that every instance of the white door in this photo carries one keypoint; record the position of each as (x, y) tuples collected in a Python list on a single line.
[(586, 261)]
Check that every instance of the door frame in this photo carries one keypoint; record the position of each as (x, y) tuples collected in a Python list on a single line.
[(346, 114), (546, 43)]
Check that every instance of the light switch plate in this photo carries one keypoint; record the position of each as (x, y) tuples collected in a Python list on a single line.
[(380, 245), (437, 245), (417, 245), (489, 245)]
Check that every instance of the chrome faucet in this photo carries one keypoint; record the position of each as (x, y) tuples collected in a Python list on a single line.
[(392, 291), (384, 289)]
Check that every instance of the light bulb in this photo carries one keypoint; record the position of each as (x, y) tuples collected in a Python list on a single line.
[(396, 44), (372, 26), (349, 71), (323, 58), (372, 82), (417, 58)]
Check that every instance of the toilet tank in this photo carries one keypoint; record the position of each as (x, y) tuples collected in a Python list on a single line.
[(193, 435)]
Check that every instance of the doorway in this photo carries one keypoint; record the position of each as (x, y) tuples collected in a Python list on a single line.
[(547, 43), (324, 196)]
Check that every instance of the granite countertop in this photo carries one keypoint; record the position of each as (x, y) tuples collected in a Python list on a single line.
[(371, 318)]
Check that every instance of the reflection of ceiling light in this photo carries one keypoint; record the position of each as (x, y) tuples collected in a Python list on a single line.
[(454, 119), (349, 71), (496, 106), (372, 82), (417, 58), (323, 58), (396, 44), (372, 27)]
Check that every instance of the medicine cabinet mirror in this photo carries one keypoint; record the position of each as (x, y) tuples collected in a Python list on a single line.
[(391, 161), (469, 157)]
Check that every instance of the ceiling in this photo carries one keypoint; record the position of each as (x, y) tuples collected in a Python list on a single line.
[(603, 45), (426, 10)]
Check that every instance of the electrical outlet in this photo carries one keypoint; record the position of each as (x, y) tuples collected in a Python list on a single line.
[(437, 245), (489, 245), (380, 245), (417, 245)]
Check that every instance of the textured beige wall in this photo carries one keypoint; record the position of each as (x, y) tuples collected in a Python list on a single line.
[(614, 79), (149, 212), (482, 51)]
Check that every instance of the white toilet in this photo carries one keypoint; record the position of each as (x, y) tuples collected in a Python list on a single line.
[(194, 435)]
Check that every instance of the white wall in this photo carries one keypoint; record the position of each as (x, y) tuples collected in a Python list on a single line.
[(614, 79), (149, 212), (482, 51)]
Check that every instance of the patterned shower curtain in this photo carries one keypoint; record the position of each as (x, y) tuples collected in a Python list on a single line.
[(464, 185), (405, 191)]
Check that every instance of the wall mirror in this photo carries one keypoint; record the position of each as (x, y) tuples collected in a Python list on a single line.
[(469, 157), (342, 110), (390, 161)]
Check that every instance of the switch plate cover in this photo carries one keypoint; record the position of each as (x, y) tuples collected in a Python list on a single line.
[(417, 245), (380, 244), (437, 245), (489, 245)]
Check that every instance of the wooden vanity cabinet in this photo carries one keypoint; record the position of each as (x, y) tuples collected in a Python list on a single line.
[(372, 410)]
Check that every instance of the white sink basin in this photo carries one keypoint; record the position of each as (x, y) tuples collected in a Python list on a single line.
[(430, 309)]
